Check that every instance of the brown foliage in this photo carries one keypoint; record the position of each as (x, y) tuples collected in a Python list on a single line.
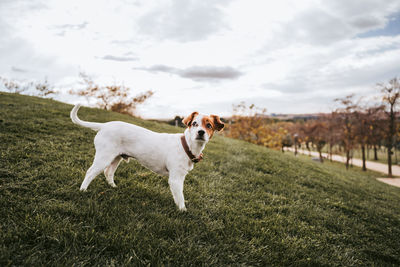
[(390, 98), (346, 116), (250, 123)]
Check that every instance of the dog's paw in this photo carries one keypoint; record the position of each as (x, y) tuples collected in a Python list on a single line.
[(82, 189), (182, 209)]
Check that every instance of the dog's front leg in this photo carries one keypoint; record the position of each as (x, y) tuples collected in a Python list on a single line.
[(176, 185)]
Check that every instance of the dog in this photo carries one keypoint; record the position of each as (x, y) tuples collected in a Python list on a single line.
[(171, 155)]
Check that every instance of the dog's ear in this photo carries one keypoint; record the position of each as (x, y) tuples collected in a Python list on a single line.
[(219, 125), (188, 120)]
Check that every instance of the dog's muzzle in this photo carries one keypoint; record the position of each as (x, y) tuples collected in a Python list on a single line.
[(200, 135)]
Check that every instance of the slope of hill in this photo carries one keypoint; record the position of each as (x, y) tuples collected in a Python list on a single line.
[(247, 205)]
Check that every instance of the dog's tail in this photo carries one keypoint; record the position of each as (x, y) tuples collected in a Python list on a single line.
[(74, 117)]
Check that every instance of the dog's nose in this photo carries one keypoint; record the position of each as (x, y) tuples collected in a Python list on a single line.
[(201, 132)]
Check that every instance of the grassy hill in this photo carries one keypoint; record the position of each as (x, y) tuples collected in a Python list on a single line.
[(247, 205)]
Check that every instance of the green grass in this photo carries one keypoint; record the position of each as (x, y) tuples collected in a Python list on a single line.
[(247, 205)]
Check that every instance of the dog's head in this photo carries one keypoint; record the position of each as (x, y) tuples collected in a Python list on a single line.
[(202, 127)]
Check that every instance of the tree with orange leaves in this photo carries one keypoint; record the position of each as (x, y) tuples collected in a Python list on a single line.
[(251, 124), (347, 121), (390, 98)]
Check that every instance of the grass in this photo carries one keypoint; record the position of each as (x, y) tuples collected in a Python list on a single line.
[(247, 205)]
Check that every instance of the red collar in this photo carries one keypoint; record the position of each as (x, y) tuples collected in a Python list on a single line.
[(188, 152)]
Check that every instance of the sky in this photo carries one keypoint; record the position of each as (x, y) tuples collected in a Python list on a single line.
[(286, 56)]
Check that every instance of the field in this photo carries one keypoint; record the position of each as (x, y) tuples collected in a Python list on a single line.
[(247, 205)]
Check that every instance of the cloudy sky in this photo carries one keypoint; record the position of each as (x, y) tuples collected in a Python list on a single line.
[(287, 56)]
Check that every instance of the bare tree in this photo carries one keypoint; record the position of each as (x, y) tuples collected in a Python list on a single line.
[(14, 86), (44, 88), (111, 97), (390, 98)]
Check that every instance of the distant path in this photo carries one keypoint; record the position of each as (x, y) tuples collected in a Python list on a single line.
[(371, 165)]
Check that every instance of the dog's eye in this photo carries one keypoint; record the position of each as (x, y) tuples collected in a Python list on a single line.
[(209, 126), (194, 124)]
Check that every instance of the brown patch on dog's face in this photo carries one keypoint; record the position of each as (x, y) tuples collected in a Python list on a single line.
[(219, 125), (188, 120), (211, 124)]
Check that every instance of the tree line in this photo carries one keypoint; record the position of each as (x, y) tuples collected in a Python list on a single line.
[(115, 97), (355, 124)]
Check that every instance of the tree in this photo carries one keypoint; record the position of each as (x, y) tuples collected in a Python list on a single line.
[(296, 134), (390, 98), (332, 134), (362, 124), (282, 131), (347, 120), (177, 121), (317, 131), (111, 97), (305, 133), (44, 88), (15, 87), (376, 125), (248, 123)]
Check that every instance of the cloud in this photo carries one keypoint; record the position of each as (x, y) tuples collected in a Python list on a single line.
[(367, 8), (161, 68), (15, 69), (184, 20), (293, 103), (288, 55), (199, 73), (390, 29), (115, 58), (21, 5), (367, 22), (350, 66), (72, 26), (68, 27), (332, 21), (316, 26)]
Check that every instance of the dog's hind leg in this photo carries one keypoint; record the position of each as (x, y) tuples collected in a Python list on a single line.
[(100, 162), (110, 170)]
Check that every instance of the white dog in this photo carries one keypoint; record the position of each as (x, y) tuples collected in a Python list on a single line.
[(165, 154)]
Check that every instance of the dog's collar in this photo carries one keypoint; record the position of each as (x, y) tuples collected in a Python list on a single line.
[(188, 152)]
